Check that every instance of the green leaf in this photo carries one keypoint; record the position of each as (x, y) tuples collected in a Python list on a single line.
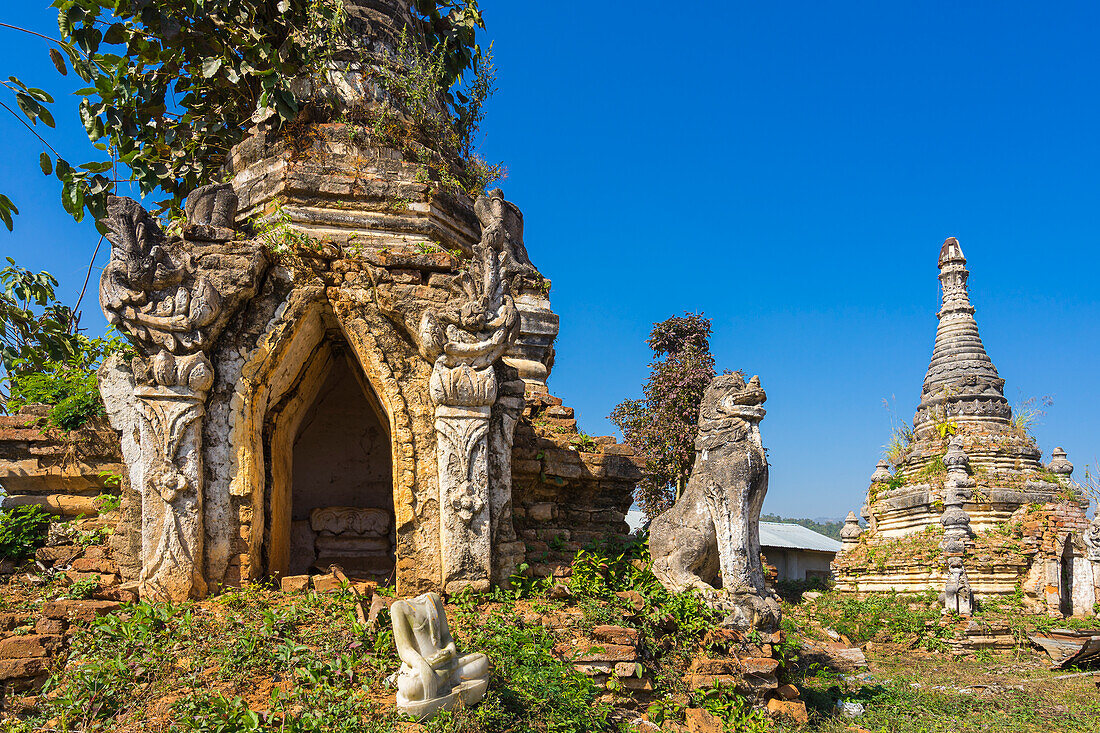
[(7, 208), (46, 162), (115, 34), (63, 170), (210, 67), (40, 95), (45, 116), (58, 62)]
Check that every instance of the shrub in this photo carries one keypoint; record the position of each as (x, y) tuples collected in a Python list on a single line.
[(73, 395), (530, 689), (22, 530)]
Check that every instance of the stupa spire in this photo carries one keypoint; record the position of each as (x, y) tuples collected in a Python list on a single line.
[(961, 385)]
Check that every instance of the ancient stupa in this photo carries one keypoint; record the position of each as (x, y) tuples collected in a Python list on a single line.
[(342, 359), (966, 483)]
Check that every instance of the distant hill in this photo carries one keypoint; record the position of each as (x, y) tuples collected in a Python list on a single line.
[(829, 528)]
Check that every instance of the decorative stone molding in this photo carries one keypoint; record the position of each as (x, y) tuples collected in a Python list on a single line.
[(882, 472), (1091, 540), (849, 534), (1059, 464), (957, 596), (465, 343), (957, 486)]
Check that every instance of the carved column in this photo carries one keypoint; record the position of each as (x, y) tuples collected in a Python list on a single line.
[(171, 514), (172, 311), (958, 485), (508, 552), (464, 397)]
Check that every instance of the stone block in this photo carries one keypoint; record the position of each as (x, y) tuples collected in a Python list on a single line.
[(699, 720), (11, 669), (116, 593), (527, 467), (59, 555), (31, 645), (637, 684), (327, 583), (635, 601), (759, 666), (787, 692), (705, 665), (49, 626), (541, 512), (63, 505), (629, 669), (95, 565), (586, 653), (294, 583), (792, 710), (701, 681), (70, 610), (622, 635), (409, 277), (102, 579)]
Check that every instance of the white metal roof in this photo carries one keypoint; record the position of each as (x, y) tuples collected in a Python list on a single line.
[(795, 536)]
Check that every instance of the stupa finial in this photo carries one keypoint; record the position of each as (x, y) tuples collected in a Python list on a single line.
[(961, 385)]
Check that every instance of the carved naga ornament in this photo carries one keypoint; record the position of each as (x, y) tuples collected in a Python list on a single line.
[(465, 342), (153, 292)]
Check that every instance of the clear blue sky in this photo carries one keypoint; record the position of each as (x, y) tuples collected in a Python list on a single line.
[(790, 170)]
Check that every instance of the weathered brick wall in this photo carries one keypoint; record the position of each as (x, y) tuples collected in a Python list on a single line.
[(61, 471), (567, 489)]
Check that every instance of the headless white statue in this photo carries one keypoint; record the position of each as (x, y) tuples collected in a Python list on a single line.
[(432, 676)]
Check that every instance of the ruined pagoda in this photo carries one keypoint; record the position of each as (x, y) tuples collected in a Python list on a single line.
[(341, 358), (964, 496)]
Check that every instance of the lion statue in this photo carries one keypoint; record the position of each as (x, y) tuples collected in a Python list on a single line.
[(710, 538)]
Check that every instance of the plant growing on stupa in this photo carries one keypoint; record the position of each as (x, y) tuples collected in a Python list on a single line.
[(662, 426), (170, 86)]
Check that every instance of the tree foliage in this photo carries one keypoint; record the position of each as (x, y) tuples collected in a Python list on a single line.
[(829, 528), (172, 85), (44, 356), (662, 426)]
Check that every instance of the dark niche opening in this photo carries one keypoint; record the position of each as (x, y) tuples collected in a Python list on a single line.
[(341, 477)]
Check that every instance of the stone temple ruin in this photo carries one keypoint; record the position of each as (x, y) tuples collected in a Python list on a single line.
[(361, 382), (967, 508)]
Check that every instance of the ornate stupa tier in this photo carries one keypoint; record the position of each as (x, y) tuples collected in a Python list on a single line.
[(962, 385)]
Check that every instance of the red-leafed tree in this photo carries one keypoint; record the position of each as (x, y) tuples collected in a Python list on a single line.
[(662, 426)]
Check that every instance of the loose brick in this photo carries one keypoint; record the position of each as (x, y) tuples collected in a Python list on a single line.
[(21, 647), (70, 610)]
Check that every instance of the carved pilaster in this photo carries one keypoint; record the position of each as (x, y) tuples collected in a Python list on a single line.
[(170, 433), (474, 422), (154, 292)]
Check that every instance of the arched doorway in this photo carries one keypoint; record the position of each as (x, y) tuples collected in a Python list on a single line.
[(330, 472)]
